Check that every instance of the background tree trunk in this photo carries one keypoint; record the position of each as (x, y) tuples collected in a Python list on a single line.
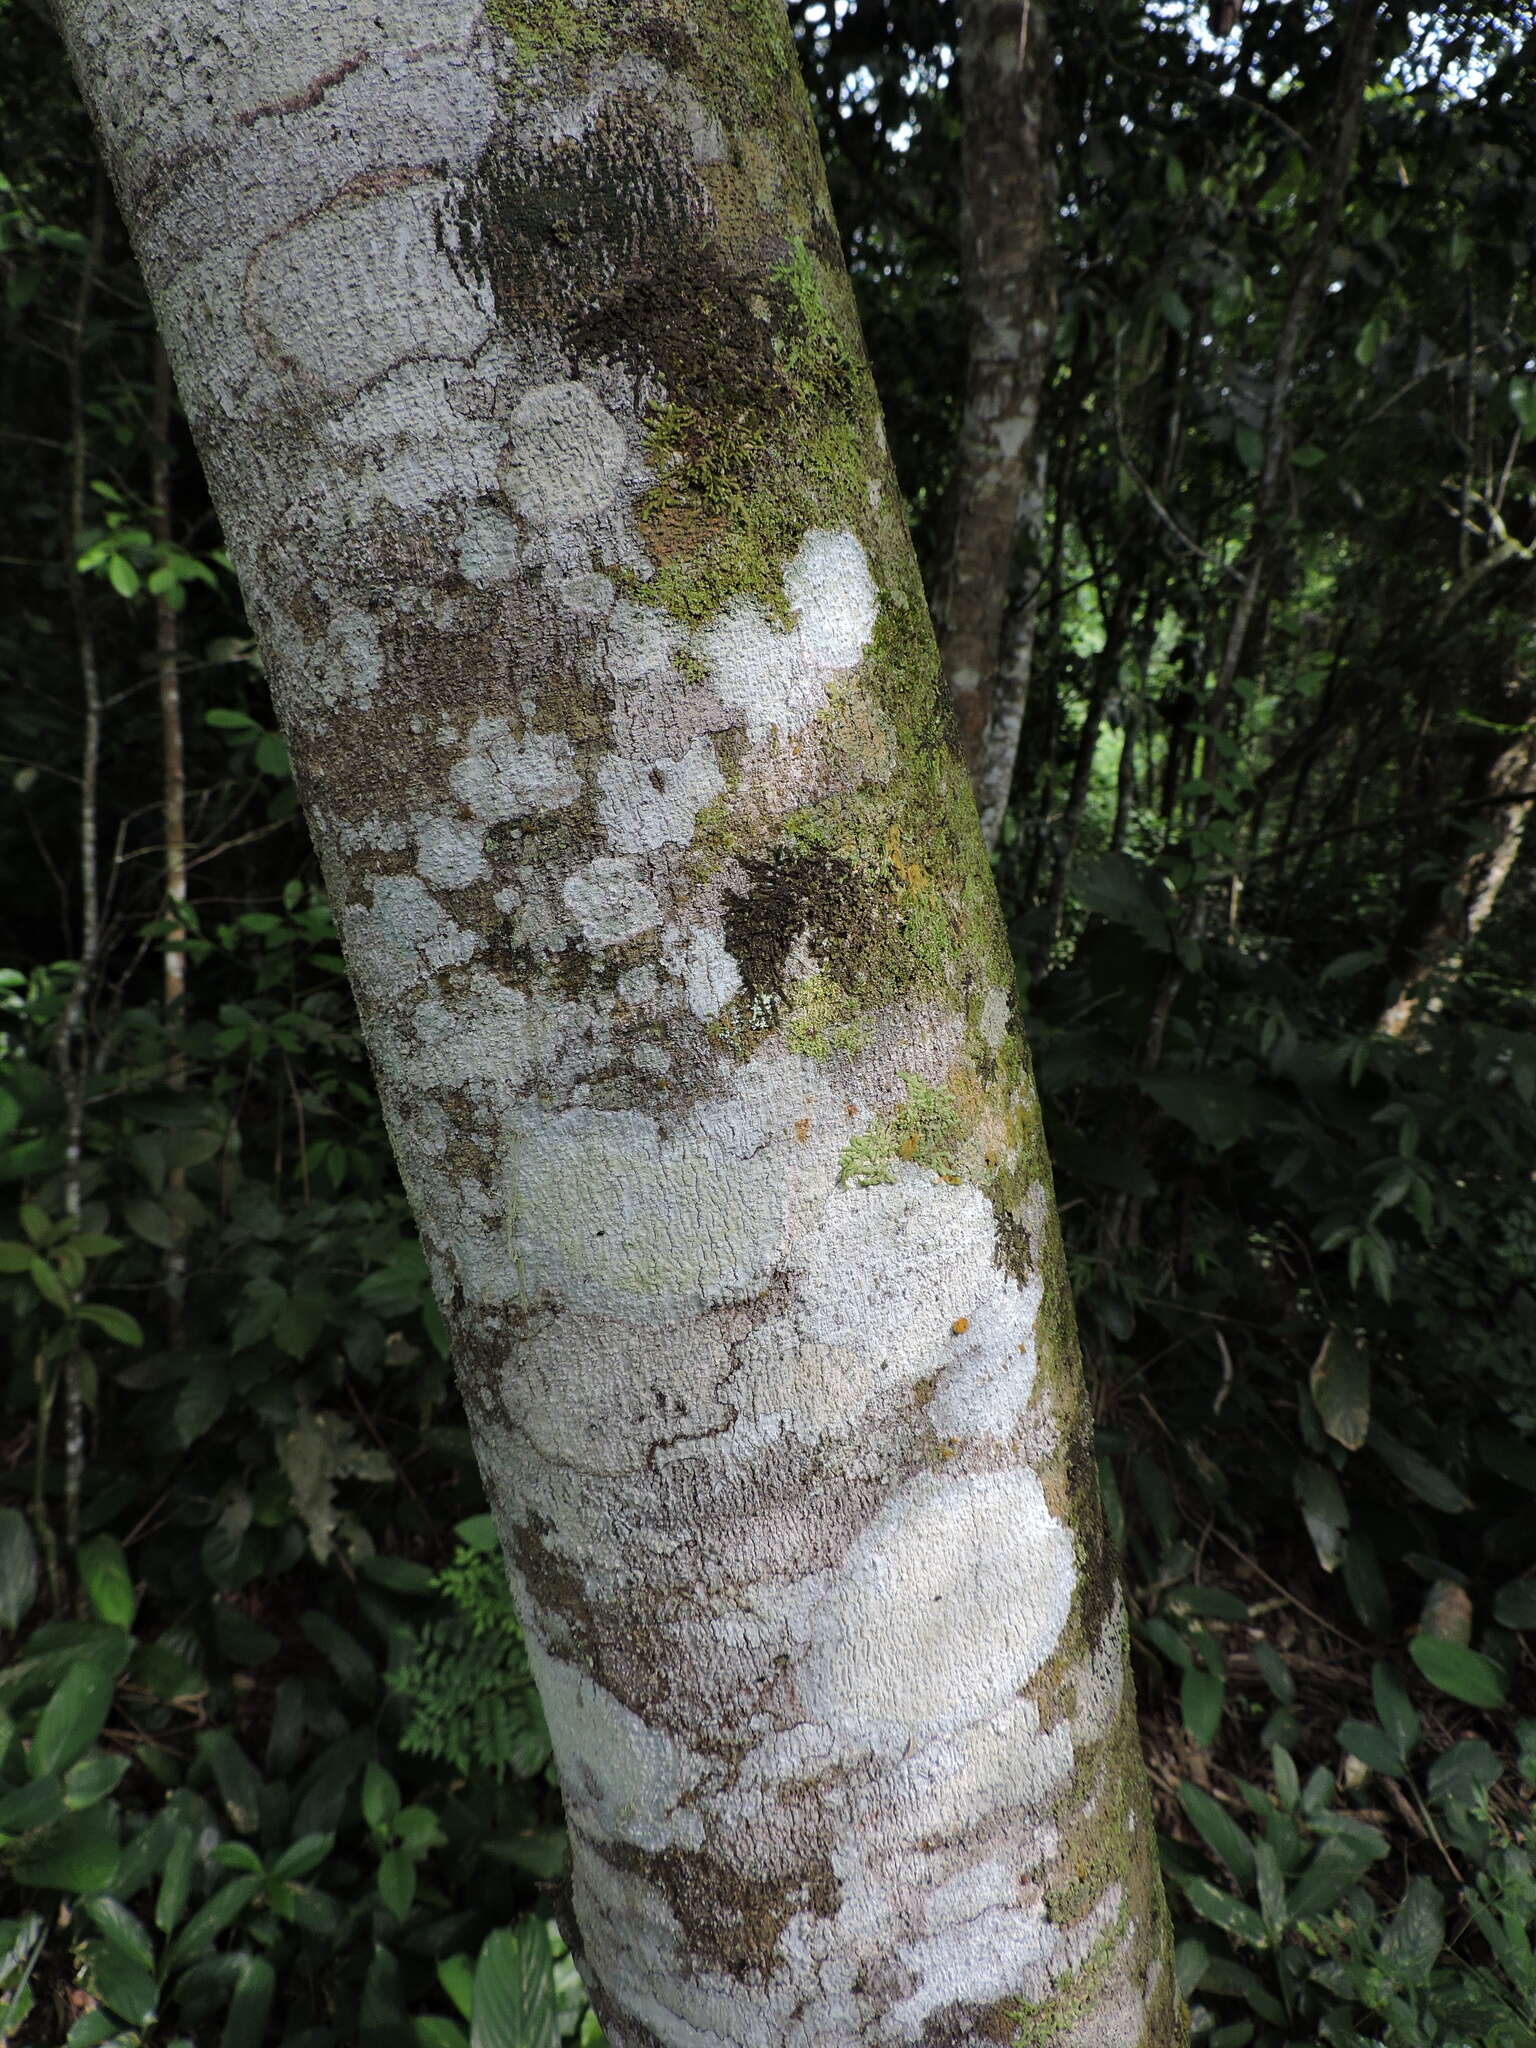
[(521, 357), (1008, 271)]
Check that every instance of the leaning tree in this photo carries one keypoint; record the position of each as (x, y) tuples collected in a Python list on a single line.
[(519, 350)]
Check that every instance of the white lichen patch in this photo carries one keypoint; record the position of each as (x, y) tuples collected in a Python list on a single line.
[(498, 776), (401, 937), (578, 1398), (478, 1041), (949, 1603), (703, 962), (645, 805), (623, 1781), (488, 550), (450, 852), (566, 455), (779, 677), (610, 902)]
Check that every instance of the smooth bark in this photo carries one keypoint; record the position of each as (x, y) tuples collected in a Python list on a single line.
[(519, 350), (1009, 282)]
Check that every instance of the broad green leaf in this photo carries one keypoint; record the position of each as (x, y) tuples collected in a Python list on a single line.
[(246, 2025), (124, 1930), (1226, 1912), (24, 1808), (92, 1779), (1374, 1747), (18, 1569), (1415, 1934), (397, 1881), (439, 2033), (1397, 1712), (456, 1974), (72, 1719), (1417, 1474), (1201, 1696), (108, 1583), (79, 1855), (1219, 1831), (1461, 1672), (150, 1220), (116, 1322), (1514, 1605), (236, 1776), (176, 1877), (124, 1986), (381, 1796), (211, 1919), (303, 1856), (1323, 1510), (515, 1990), (1341, 1388)]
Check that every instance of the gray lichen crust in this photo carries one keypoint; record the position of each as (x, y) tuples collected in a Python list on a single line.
[(518, 346)]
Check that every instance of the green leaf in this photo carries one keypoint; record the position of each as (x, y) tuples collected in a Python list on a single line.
[(1323, 1510), (1201, 1695), (124, 1930), (1395, 1708), (303, 1856), (230, 721), (126, 1987), (122, 576), (1417, 1474), (1341, 1387), (72, 1719), (211, 1919), (150, 1220), (18, 1569), (515, 1990), (108, 1583), (435, 2032), (1226, 1912), (457, 1977), (1218, 1109), (176, 1877), (29, 1807), (1374, 1747), (1219, 1831), (117, 1323), (236, 1776), (397, 1881), (1415, 1934), (48, 1283), (92, 1779), (15, 1257), (246, 2025), (79, 1855), (381, 1796), (1514, 1605), (1461, 1672)]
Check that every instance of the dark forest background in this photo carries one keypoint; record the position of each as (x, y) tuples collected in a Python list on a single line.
[(270, 1767)]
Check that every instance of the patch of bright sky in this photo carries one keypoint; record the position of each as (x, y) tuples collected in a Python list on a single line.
[(1452, 50)]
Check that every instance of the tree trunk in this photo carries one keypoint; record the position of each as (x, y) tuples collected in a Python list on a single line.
[(1010, 299), (521, 356), (1441, 921)]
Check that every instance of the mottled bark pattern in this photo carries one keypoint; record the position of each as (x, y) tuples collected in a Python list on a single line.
[(1010, 300), (521, 357)]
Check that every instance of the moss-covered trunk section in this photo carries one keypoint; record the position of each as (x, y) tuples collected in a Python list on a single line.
[(525, 370)]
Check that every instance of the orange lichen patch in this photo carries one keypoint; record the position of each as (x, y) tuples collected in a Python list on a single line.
[(852, 1108), (960, 1325), (803, 1128)]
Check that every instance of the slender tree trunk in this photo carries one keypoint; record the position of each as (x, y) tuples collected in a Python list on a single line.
[(173, 797), (1010, 299), (1432, 940), (73, 1050), (525, 369)]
